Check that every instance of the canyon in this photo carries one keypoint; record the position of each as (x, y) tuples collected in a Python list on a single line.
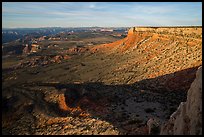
[(107, 89)]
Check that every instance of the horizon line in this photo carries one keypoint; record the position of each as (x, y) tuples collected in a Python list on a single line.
[(104, 26)]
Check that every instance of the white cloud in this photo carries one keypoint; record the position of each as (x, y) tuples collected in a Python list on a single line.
[(154, 9), (92, 6)]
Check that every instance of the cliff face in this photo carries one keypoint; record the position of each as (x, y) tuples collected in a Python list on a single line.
[(187, 120), (144, 34), (168, 30)]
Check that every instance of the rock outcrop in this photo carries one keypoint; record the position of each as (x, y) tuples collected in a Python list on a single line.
[(26, 50), (187, 120), (42, 60)]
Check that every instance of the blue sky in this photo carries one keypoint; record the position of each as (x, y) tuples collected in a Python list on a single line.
[(102, 14)]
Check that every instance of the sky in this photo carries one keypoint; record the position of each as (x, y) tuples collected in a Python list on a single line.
[(101, 14)]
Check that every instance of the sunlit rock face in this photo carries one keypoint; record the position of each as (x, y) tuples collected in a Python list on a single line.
[(187, 120)]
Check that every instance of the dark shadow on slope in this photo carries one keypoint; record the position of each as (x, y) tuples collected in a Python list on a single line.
[(101, 101), (177, 81)]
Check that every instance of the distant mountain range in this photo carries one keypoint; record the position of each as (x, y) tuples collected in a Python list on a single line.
[(11, 34)]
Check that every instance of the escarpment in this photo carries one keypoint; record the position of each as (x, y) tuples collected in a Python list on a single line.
[(151, 52)]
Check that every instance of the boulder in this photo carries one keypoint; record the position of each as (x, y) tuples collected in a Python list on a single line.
[(153, 126)]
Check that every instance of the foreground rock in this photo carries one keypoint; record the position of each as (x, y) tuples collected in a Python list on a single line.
[(187, 120)]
